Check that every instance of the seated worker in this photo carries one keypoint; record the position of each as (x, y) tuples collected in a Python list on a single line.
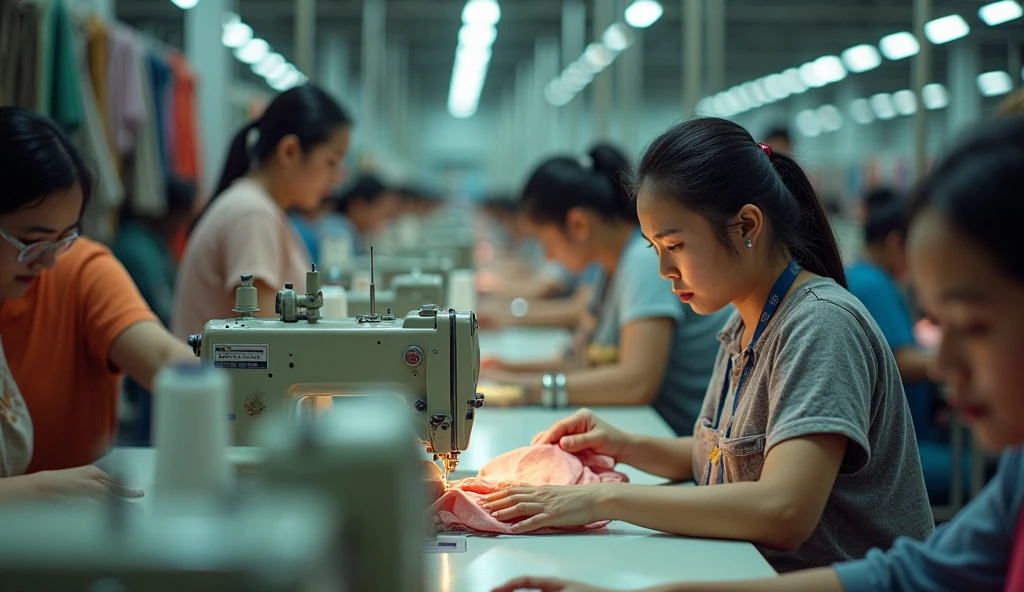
[(143, 246), (290, 158), (964, 254), (365, 207), (873, 281), (71, 321), (804, 444), (644, 346)]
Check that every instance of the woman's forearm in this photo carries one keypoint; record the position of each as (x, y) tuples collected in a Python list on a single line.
[(670, 458), (609, 385), (20, 487), (813, 580), (749, 511)]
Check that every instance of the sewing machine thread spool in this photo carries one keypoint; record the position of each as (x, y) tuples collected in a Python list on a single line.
[(462, 289), (191, 434), (335, 303)]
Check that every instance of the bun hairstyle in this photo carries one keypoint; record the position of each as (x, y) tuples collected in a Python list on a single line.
[(714, 167), (595, 181), (307, 112), (977, 188)]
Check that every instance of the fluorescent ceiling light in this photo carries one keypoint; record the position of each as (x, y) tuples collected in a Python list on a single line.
[(830, 118), (757, 91), (597, 57), (905, 102), (282, 74), (777, 87), (268, 64), (253, 51), (616, 38), (278, 71), (705, 105), (946, 29), (725, 105), (810, 77), (794, 82), (808, 124), (881, 104), (934, 96), (557, 94), (485, 13), (1001, 12), (861, 58), (477, 35), (576, 77), (993, 84), (860, 111), (899, 45), (185, 4), (643, 13), (741, 100), (830, 69), (236, 34)]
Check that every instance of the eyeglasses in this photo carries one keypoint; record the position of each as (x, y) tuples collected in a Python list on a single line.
[(33, 252)]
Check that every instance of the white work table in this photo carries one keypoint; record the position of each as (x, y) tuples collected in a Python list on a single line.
[(620, 556)]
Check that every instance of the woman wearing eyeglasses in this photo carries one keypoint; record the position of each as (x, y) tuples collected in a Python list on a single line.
[(71, 321)]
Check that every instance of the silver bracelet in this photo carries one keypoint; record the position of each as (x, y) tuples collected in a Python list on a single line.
[(554, 394)]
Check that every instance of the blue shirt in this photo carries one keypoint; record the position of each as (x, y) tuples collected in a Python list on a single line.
[(880, 295), (637, 291), (331, 225), (971, 552), (148, 259)]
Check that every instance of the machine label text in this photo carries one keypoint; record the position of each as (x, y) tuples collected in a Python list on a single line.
[(241, 357)]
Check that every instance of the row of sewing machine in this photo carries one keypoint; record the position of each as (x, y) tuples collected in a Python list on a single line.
[(327, 500)]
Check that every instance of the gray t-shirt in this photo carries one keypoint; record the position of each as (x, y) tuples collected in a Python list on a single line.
[(637, 292), (823, 366)]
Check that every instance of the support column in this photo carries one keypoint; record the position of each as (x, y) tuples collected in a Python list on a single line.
[(332, 71), (922, 71), (716, 46), (546, 63), (305, 37), (604, 15), (574, 40), (630, 81), (374, 30), (692, 63), (964, 65), (214, 67)]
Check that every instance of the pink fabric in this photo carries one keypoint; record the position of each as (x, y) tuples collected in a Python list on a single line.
[(459, 509)]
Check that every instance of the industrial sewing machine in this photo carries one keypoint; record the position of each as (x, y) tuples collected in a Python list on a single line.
[(385, 269), (298, 360), (406, 293), (336, 505)]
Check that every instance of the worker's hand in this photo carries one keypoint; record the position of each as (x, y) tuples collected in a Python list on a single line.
[(585, 431), (546, 585), (533, 508), (83, 482)]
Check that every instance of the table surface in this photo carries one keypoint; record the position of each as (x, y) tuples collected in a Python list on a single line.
[(620, 556)]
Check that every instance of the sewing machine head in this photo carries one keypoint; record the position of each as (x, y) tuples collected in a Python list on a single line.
[(297, 361)]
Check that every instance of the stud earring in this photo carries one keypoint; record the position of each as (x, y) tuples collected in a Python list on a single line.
[(749, 244)]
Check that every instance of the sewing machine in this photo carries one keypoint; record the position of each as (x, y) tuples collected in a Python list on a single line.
[(335, 505), (292, 363), (387, 268), (407, 292)]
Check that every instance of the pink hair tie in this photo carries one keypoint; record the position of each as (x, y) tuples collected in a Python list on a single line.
[(767, 149)]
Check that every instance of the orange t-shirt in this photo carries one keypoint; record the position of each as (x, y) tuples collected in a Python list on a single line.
[(58, 339)]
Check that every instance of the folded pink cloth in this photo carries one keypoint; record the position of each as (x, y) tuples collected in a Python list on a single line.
[(459, 509)]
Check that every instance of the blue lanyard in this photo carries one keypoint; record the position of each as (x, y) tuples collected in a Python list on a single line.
[(782, 285)]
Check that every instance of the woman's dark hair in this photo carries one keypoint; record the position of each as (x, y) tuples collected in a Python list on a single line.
[(367, 189), (977, 188), (306, 112), (596, 182), (714, 167), (38, 160), (883, 220)]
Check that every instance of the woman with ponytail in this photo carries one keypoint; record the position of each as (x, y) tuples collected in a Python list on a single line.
[(805, 431), (290, 158), (639, 344)]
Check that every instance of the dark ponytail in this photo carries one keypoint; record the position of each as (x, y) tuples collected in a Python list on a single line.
[(306, 112), (714, 167), (38, 161), (977, 189), (596, 181)]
